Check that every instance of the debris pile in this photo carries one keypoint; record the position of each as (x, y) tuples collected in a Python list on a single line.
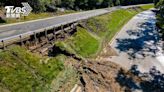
[(99, 76)]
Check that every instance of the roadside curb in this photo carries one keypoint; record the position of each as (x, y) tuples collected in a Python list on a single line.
[(112, 40)]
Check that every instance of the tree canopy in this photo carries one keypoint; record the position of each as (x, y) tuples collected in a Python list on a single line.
[(160, 15), (41, 5)]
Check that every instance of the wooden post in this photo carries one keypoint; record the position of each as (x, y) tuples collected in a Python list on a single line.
[(73, 26), (79, 22), (67, 31), (28, 44), (68, 25), (54, 33), (62, 32), (35, 38), (21, 40), (62, 27), (46, 36), (4, 47)]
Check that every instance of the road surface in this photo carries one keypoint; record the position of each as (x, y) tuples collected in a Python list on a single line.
[(138, 43), (28, 28)]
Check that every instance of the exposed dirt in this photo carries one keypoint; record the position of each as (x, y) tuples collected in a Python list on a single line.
[(99, 76), (106, 52)]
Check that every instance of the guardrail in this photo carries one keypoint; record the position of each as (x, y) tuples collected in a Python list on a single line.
[(17, 38)]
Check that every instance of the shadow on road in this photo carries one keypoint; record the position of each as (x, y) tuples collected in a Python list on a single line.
[(141, 42), (133, 80)]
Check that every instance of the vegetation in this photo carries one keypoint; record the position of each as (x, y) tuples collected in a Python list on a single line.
[(81, 43), (22, 71), (48, 8), (98, 31), (51, 5), (146, 7), (66, 79), (160, 15), (155, 2)]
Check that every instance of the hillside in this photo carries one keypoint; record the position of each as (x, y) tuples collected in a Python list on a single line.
[(24, 71), (95, 33)]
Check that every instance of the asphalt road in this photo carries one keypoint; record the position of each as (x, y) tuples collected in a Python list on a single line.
[(138, 43), (28, 28)]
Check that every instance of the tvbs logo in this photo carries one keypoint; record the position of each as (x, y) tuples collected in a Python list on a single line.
[(17, 12)]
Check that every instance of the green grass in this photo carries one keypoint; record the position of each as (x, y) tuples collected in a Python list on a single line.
[(82, 43), (22, 71), (64, 47), (117, 21), (66, 79), (106, 26), (145, 7), (101, 30)]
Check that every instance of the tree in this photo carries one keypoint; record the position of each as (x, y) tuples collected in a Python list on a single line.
[(46, 5), (160, 16), (94, 3), (116, 2), (155, 2), (160, 5), (123, 2), (37, 5), (107, 3), (68, 4), (81, 4)]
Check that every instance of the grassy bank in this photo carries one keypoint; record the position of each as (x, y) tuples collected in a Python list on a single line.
[(145, 7), (22, 71), (81, 43), (98, 31)]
